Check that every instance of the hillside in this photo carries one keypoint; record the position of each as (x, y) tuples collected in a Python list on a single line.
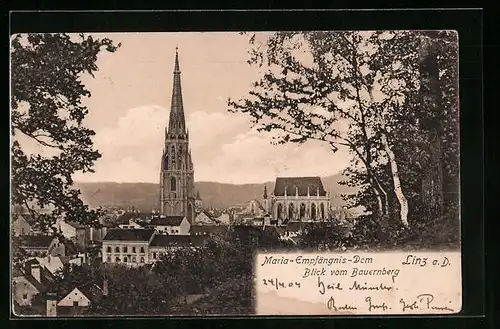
[(144, 196)]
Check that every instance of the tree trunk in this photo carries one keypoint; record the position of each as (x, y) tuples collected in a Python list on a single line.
[(432, 181), (403, 202)]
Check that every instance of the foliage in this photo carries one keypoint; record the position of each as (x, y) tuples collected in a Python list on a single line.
[(362, 90), (47, 111), (137, 291), (331, 237), (234, 297)]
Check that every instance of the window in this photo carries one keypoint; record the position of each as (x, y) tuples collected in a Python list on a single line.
[(25, 296), (117, 249), (125, 259), (117, 259), (109, 249), (142, 259), (75, 303), (165, 166), (108, 259), (134, 260), (142, 249), (173, 184), (154, 255), (125, 249), (280, 211), (133, 249), (302, 212), (172, 154)]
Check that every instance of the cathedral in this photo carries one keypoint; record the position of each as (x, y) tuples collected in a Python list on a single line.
[(177, 195), (298, 199)]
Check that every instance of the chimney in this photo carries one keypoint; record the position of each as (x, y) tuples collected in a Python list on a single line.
[(105, 287), (51, 304), (35, 272)]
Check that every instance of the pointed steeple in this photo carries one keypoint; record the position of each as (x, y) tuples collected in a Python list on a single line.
[(177, 122), (265, 192), (198, 195)]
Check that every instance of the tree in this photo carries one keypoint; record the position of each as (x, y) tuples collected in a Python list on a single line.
[(47, 111), (344, 94), (439, 95)]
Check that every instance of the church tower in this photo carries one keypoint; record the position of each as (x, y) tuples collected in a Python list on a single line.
[(177, 175), (266, 200)]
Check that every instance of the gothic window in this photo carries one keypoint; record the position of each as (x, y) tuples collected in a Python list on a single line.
[(173, 184), (280, 210), (172, 154), (179, 155), (313, 211), (290, 211), (165, 162), (302, 211), (322, 211)]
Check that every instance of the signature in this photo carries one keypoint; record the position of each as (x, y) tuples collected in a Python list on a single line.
[(425, 301), (372, 306), (332, 306)]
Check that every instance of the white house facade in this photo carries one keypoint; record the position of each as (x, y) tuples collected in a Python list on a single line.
[(128, 246)]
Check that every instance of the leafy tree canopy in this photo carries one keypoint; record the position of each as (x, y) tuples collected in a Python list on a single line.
[(47, 111)]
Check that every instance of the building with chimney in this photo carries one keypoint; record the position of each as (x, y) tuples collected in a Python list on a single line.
[(177, 196)]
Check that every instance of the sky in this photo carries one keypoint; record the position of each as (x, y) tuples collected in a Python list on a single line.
[(130, 103)]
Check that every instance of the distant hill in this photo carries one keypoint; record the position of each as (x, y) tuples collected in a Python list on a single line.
[(145, 196)]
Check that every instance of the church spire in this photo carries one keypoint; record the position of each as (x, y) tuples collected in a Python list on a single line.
[(177, 122)]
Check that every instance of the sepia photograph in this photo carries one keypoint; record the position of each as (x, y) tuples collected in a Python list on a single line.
[(235, 173)]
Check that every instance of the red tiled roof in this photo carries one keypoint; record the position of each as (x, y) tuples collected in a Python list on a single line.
[(301, 184)]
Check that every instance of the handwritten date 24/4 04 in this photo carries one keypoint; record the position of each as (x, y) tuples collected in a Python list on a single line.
[(277, 283)]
